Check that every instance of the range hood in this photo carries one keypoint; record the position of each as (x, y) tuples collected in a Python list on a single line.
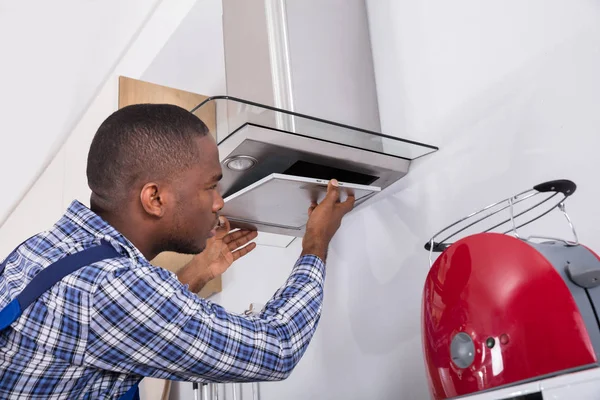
[(275, 161)]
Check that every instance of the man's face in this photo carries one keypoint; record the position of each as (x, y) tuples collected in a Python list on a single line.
[(197, 202)]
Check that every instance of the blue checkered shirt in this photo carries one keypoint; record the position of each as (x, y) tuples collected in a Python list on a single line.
[(99, 330)]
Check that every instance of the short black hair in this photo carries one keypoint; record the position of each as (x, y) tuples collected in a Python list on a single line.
[(141, 141)]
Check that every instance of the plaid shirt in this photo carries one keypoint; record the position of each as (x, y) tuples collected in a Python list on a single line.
[(99, 330)]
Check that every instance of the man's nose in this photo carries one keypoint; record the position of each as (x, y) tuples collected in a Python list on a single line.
[(219, 203)]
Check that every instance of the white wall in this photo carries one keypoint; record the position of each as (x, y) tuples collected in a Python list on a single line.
[(498, 86), (55, 58), (510, 92), (64, 179), (193, 59)]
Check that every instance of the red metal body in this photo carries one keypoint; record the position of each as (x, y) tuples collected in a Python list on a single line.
[(492, 285)]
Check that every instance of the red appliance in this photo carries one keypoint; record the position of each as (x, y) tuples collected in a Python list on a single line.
[(500, 309)]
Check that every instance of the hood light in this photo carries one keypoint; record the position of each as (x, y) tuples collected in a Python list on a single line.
[(240, 163)]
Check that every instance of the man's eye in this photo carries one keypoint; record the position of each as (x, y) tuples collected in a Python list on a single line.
[(213, 187)]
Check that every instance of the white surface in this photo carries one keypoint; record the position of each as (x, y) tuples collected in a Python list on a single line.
[(38, 210), (193, 57), (584, 385), (499, 87), (55, 58)]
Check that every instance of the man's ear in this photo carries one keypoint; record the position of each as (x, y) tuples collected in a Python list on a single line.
[(153, 200)]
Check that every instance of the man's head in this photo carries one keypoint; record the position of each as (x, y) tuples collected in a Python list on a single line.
[(156, 167)]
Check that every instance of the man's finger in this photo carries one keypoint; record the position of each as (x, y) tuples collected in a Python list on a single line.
[(235, 236), (242, 239), (223, 228), (348, 204), (333, 192), (243, 251)]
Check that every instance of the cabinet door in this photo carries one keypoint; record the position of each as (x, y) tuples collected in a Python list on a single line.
[(133, 91)]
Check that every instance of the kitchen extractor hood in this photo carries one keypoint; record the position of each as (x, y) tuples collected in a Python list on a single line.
[(276, 161)]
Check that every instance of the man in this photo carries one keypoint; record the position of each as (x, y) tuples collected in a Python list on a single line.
[(153, 171)]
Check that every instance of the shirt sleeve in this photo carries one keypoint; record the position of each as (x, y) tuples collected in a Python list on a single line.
[(149, 324)]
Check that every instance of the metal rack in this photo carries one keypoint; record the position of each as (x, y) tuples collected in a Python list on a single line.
[(551, 195)]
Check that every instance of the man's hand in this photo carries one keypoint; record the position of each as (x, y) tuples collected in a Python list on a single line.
[(220, 252), (225, 247), (324, 221)]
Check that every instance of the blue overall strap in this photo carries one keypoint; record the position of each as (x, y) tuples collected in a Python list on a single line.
[(133, 393), (51, 275)]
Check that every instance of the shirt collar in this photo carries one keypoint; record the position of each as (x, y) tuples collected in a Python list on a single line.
[(82, 216)]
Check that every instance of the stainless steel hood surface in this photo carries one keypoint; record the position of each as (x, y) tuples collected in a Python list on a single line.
[(277, 141), (264, 199)]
